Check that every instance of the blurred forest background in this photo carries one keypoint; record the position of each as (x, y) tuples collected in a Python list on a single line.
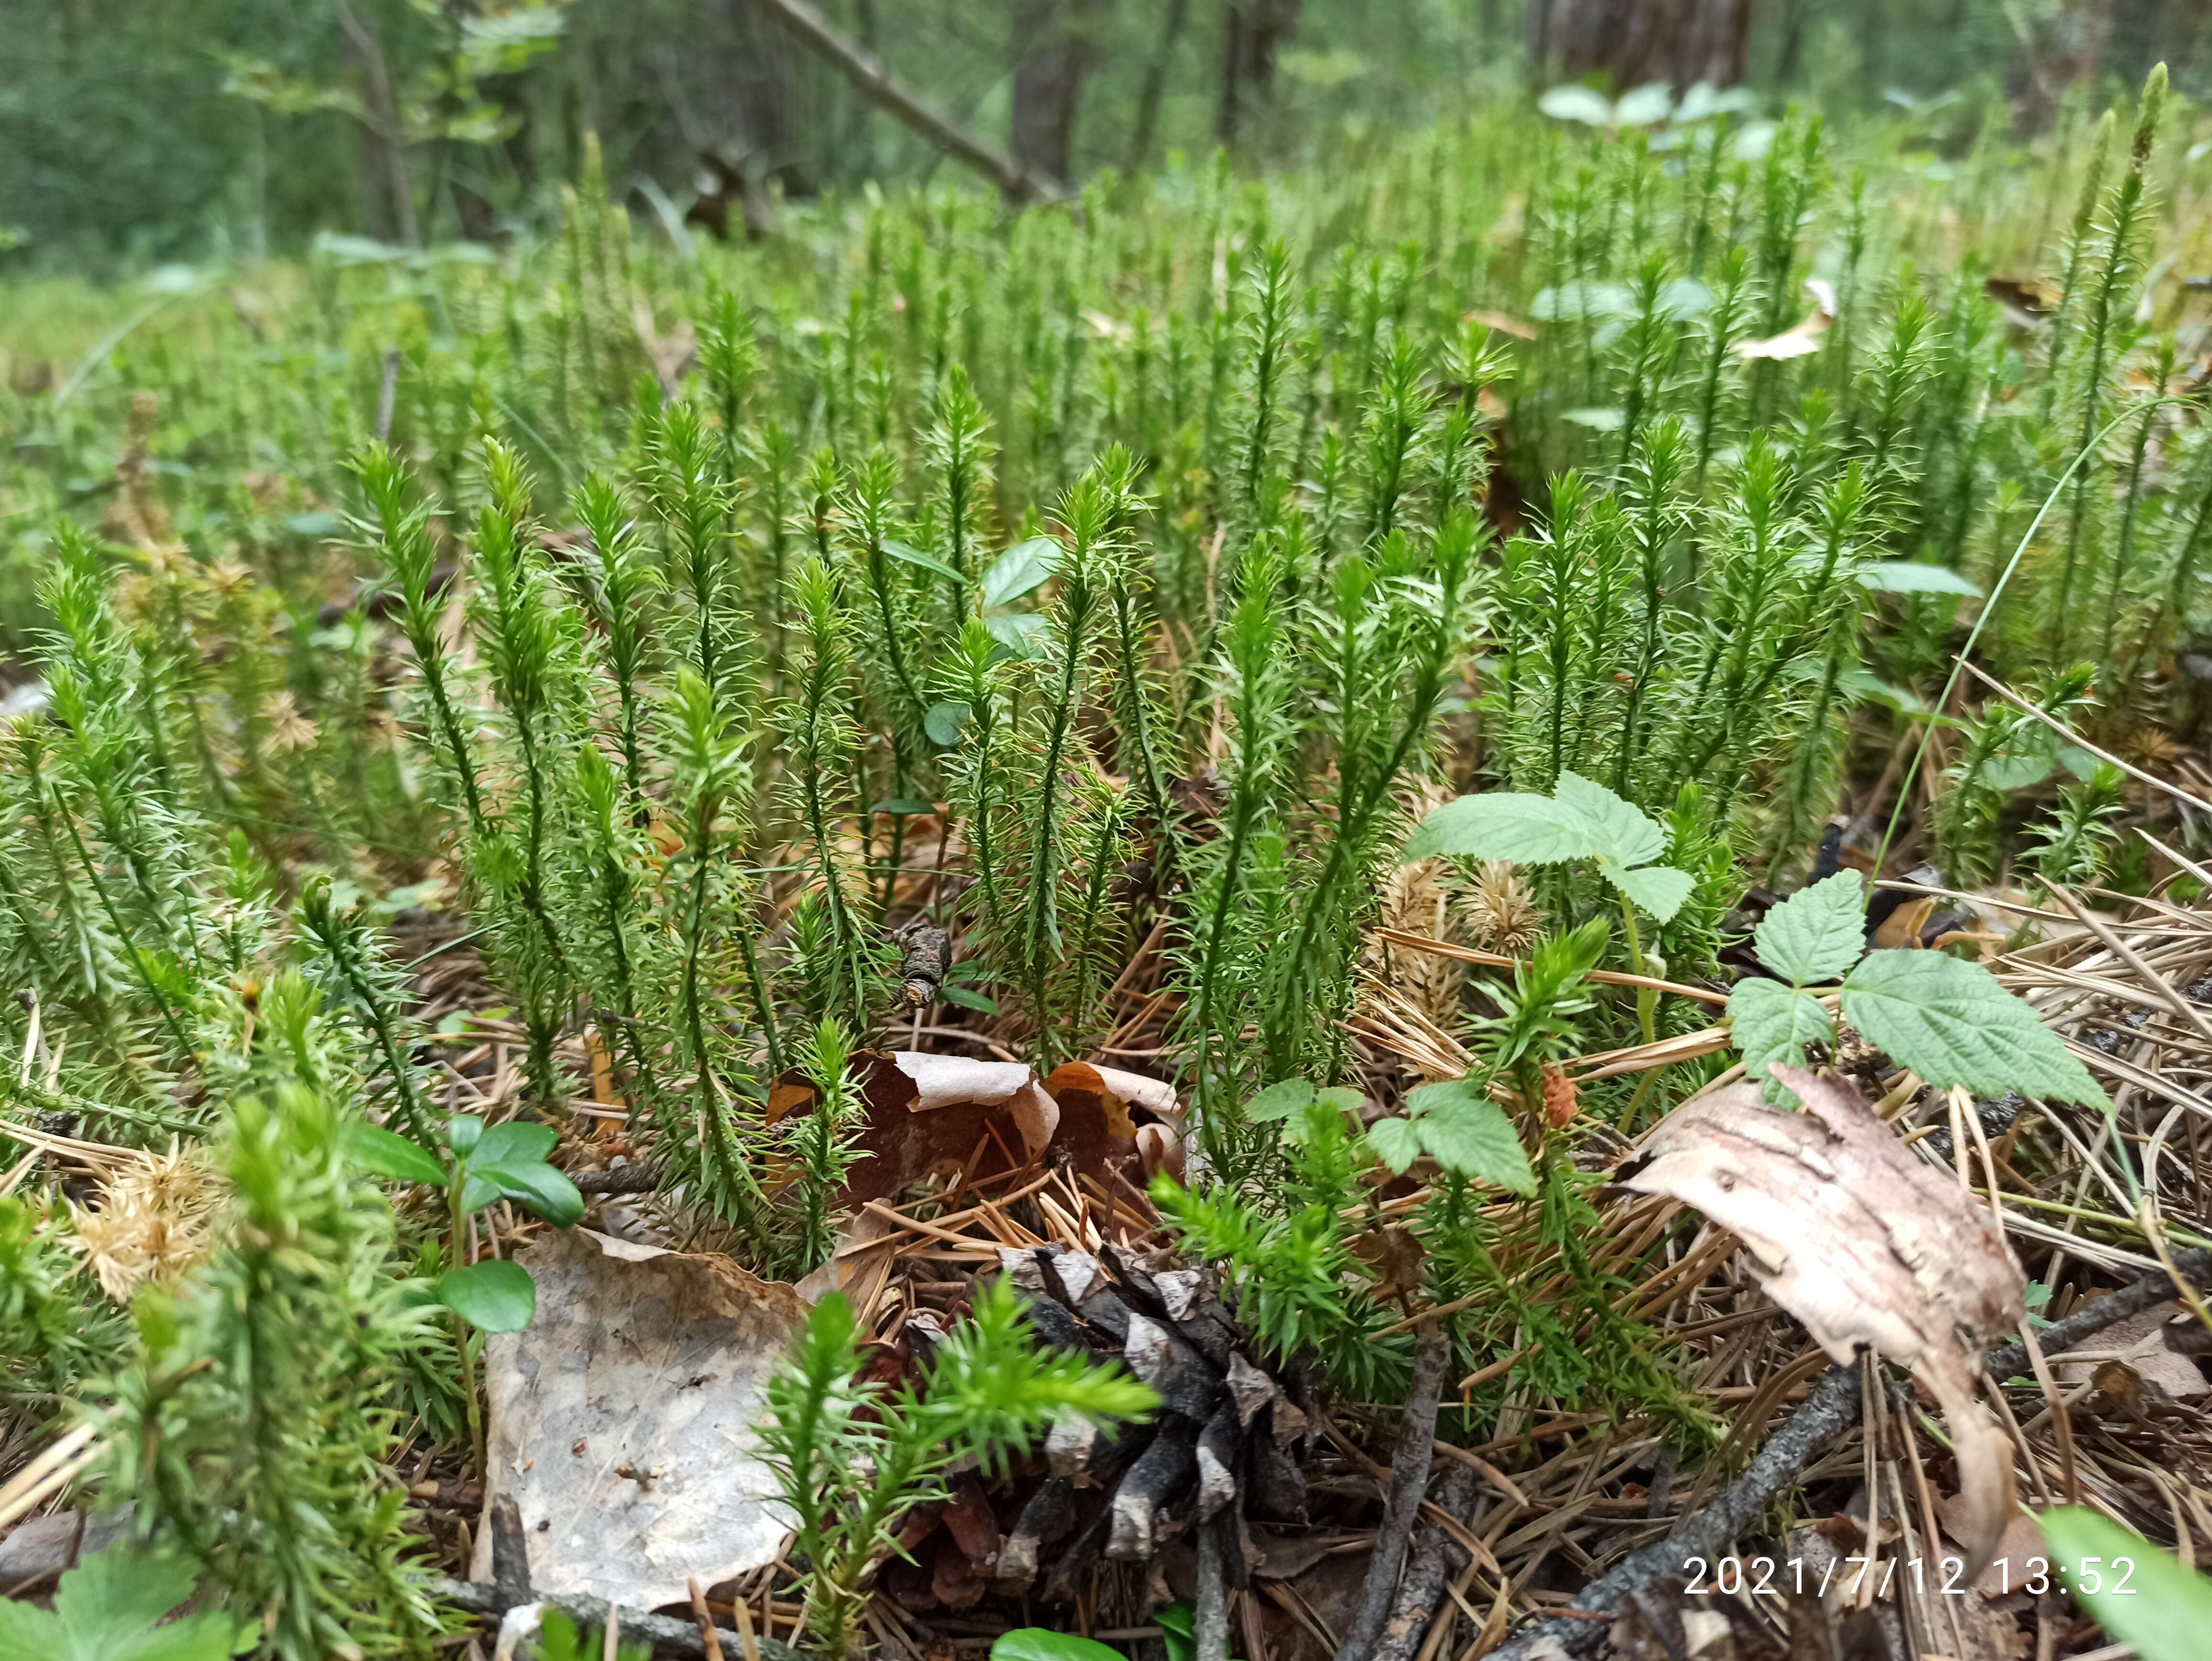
[(136, 131)]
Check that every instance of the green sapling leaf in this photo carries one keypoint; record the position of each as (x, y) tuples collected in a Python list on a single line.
[(517, 1139), (1395, 1142), (1041, 1644), (1771, 1022), (1469, 1135), (535, 1186), (1021, 570), (1659, 890), (1952, 1022), (1817, 934), (1281, 1100), (105, 1610), (2139, 1594), (913, 555), (493, 1297), (387, 1153), (1290, 1098), (1622, 834), (463, 1131), (944, 722), (1503, 825)]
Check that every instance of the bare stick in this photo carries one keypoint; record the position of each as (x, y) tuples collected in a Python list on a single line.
[(1409, 1481)]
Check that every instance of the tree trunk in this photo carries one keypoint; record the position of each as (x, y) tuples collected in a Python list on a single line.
[(1054, 46), (387, 196), (1636, 42), (1155, 82), (761, 103), (1252, 31)]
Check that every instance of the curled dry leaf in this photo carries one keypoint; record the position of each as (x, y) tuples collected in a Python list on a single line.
[(1867, 1245), (624, 1420), (1802, 338), (2143, 1342), (936, 1118)]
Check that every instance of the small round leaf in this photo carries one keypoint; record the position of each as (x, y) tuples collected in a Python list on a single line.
[(493, 1296)]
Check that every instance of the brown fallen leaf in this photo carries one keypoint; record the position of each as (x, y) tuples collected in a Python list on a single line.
[(2142, 1342), (1802, 338), (2026, 300), (653, 1362), (1865, 1242), (1901, 928)]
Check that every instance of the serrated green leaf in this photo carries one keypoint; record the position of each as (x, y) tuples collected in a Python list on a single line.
[(1470, 1136), (1395, 1142), (493, 1296), (2163, 1609), (515, 1140), (387, 1153), (1021, 570), (2017, 772), (1817, 934), (1621, 831), (944, 722), (105, 1610), (1912, 576), (1951, 1022), (914, 556), (1659, 890), (1280, 1100), (1770, 1023), (1503, 825)]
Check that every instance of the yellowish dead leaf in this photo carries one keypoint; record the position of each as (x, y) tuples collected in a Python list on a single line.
[(1500, 323), (1801, 338)]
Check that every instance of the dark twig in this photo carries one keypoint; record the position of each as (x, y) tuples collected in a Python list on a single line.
[(621, 1179), (1409, 1481), (1832, 1409), (1437, 1557)]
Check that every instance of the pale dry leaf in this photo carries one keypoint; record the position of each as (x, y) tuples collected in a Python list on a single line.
[(928, 1082), (1802, 338), (624, 1421), (1867, 1245)]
